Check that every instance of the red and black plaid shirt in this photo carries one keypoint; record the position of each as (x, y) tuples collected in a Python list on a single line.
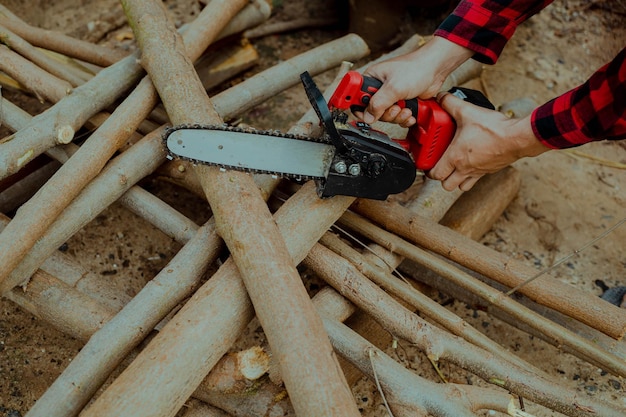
[(595, 110)]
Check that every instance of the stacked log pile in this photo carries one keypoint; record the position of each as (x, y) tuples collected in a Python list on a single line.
[(175, 336)]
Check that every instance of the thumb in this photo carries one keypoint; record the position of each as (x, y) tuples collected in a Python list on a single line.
[(451, 103), (379, 103)]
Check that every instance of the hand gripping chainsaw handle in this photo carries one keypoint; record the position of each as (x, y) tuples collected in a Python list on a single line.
[(428, 139)]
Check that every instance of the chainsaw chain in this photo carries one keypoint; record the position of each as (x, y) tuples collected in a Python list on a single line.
[(228, 128)]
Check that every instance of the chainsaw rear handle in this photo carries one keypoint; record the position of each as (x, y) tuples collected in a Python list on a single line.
[(428, 139)]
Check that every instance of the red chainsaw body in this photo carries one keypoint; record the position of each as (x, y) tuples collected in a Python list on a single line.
[(426, 141)]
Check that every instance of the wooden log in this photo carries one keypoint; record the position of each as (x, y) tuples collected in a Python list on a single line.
[(31, 222), (44, 61), (561, 297), (295, 24), (217, 66), (587, 348), (106, 348), (255, 13), (423, 275), (43, 85), (408, 394), (144, 157), (57, 303), (20, 192), (58, 124), (240, 213), (475, 211), (415, 300), (56, 41), (440, 345)]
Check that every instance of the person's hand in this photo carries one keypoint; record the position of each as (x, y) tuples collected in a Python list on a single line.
[(417, 74), (485, 142)]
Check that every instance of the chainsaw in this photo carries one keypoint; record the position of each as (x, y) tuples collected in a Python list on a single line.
[(350, 158)]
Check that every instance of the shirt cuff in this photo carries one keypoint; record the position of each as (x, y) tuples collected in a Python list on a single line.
[(478, 29), (556, 124)]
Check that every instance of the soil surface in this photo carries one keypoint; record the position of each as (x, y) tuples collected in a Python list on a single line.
[(566, 199)]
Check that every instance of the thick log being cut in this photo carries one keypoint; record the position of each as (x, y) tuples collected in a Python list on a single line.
[(295, 331), (151, 150)]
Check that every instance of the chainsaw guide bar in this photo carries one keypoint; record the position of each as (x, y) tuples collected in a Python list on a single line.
[(286, 155)]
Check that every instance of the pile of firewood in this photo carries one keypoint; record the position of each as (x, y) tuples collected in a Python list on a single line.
[(185, 360)]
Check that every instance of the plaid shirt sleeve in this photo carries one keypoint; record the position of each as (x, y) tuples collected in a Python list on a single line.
[(595, 110), (484, 26)]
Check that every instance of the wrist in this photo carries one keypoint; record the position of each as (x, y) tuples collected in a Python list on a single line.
[(527, 143), (445, 55)]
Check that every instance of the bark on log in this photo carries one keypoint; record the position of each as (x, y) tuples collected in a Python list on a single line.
[(144, 157), (610, 345), (439, 345), (43, 85), (587, 348), (106, 349), (53, 66), (476, 210), (243, 220), (31, 222), (577, 304), (408, 394), (56, 41), (110, 348)]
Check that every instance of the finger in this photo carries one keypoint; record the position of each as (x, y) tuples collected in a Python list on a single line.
[(468, 183), (441, 170), (383, 99), (391, 114), (405, 118), (453, 181), (409, 122)]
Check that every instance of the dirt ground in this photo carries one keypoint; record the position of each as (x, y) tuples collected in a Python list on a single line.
[(565, 201)]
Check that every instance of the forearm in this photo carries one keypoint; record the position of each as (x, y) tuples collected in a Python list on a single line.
[(595, 110), (485, 26)]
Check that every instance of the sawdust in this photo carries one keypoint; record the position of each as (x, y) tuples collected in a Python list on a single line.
[(564, 202)]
